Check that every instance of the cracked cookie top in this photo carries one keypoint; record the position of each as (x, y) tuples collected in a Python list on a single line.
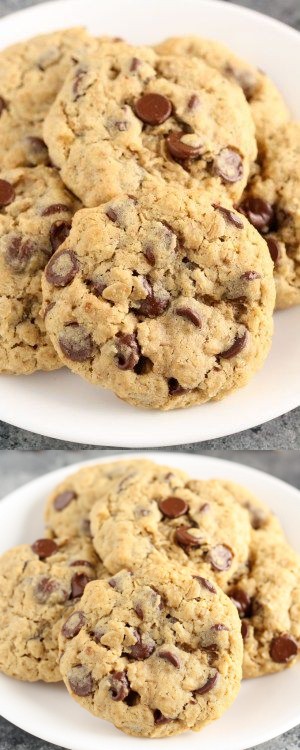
[(268, 108), (166, 298), (128, 112), (39, 586), (35, 218), (155, 653), (31, 74)]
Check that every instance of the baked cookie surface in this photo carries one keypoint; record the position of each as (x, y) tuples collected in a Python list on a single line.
[(272, 203), (68, 507), (127, 113), (155, 653), (31, 74), (165, 299), (39, 586), (268, 108), (197, 524), (35, 217)]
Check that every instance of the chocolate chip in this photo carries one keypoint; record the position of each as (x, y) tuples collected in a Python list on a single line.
[(179, 150), (175, 389), (36, 150), (96, 286), (112, 214), (173, 507), (237, 346), (44, 548), (191, 315), (78, 563), (230, 216), (250, 276), (242, 601), (193, 102), (78, 83), (159, 718), (274, 248), (135, 64), (153, 109), (81, 681), (62, 268), (76, 343), (220, 557), (119, 686), (55, 208), (283, 648), (219, 626), (144, 366), (73, 624), (133, 698), (18, 253), (185, 538), (128, 351), (2, 105), (245, 78), (113, 583), (259, 212), (59, 231), (139, 611), (209, 685), (153, 306), (78, 584), (141, 650), (244, 629), (64, 499), (228, 165), (207, 584), (48, 586), (7, 193), (149, 255), (172, 658)]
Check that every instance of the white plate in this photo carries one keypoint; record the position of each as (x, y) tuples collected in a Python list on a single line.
[(264, 708), (63, 406)]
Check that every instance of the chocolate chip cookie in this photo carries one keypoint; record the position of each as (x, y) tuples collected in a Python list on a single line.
[(198, 524), (68, 507), (267, 598), (272, 204), (39, 587), (129, 112), (166, 298), (268, 108), (155, 653), (31, 74), (35, 218)]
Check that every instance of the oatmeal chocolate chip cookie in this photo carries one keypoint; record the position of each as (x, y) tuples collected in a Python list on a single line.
[(155, 653), (35, 218), (272, 204), (31, 74), (197, 524), (166, 299), (127, 112), (68, 507), (267, 598), (39, 587), (268, 108)]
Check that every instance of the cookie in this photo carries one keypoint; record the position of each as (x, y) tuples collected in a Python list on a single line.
[(35, 217), (155, 653), (31, 74), (68, 506), (267, 598), (166, 298), (128, 112), (197, 524), (39, 587), (272, 203), (268, 108)]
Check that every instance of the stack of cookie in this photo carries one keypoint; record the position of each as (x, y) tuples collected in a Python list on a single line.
[(150, 596), (158, 189)]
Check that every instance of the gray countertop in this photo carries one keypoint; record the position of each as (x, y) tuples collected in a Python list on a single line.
[(283, 432), (18, 467)]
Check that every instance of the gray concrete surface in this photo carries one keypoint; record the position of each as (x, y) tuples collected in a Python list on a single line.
[(18, 467), (283, 432)]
